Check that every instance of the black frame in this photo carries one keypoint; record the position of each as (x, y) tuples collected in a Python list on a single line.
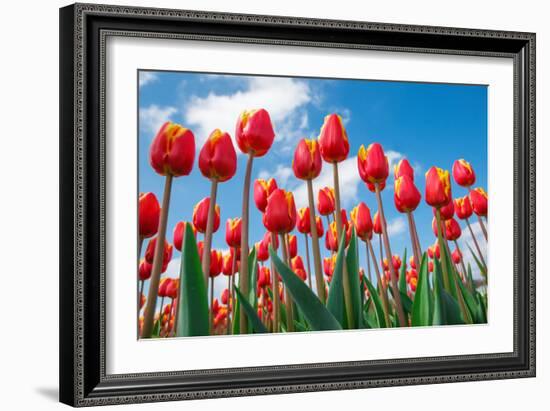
[(83, 30)]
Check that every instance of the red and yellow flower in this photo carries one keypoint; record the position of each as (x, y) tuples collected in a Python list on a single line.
[(333, 139), (217, 158), (438, 187), (280, 212), (149, 214), (307, 160), (362, 221), (326, 201), (233, 227), (479, 200), (406, 196), (172, 151), (372, 164), (254, 132), (200, 215), (262, 190), (463, 173)]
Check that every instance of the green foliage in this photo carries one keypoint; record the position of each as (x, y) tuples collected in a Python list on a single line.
[(422, 309), (256, 323)]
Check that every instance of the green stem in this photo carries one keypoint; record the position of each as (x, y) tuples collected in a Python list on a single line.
[(480, 254), (243, 273), (275, 288), (209, 230), (383, 292), (319, 280), (288, 299), (308, 263)]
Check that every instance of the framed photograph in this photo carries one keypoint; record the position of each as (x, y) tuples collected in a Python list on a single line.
[(258, 204)]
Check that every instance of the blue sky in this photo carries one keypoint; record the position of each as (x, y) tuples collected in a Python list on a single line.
[(429, 124)]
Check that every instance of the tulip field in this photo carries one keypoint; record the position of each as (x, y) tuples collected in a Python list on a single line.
[(313, 268)]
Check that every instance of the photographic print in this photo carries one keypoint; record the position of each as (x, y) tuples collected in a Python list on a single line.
[(292, 204)]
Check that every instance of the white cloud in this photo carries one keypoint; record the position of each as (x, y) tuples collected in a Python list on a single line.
[(283, 98), (466, 240), (282, 174), (396, 226), (146, 77), (153, 117)]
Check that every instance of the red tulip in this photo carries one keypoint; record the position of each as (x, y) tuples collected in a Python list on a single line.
[(254, 132), (430, 266), (328, 265), (414, 282), (452, 229), (225, 296), (215, 306), (200, 215), (292, 246), (233, 232), (150, 253), (433, 250), (372, 187), (163, 286), (331, 238), (478, 198), (403, 168), (303, 224), (360, 216), (344, 218), (216, 263), (457, 257), (298, 267), (262, 190), (200, 248), (326, 201), (333, 139), (447, 211), (412, 263), (377, 225), (463, 207), (307, 160), (463, 173), (372, 164), (264, 277), (172, 289), (438, 187), (149, 214), (227, 264), (262, 251), (179, 230), (396, 262), (217, 158), (406, 196), (173, 150), (320, 227), (144, 270), (280, 212)]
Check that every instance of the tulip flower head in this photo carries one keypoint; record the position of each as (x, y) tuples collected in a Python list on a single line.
[(331, 237), (172, 289), (179, 230), (262, 190), (163, 286), (307, 160), (406, 196), (150, 253), (303, 225), (403, 167), (433, 250), (438, 187), (333, 139), (457, 256), (233, 228), (200, 215), (479, 200), (264, 277), (217, 158), (216, 262), (463, 207), (320, 227), (262, 250), (297, 265), (377, 224), (227, 264), (254, 132), (412, 263), (372, 164), (447, 211), (280, 212), (149, 214), (144, 270), (463, 173), (360, 216), (328, 265), (326, 201), (292, 246), (452, 229), (225, 296), (172, 151)]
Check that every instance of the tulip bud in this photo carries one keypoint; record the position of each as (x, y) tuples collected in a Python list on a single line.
[(457, 257), (216, 262), (303, 224), (144, 270), (328, 265), (403, 168), (326, 201), (215, 306), (307, 160), (463, 173), (264, 277), (478, 198), (172, 289), (372, 187), (447, 211), (438, 187), (150, 253), (362, 221), (217, 158), (292, 246), (233, 232), (331, 238), (412, 263), (149, 214), (320, 227), (227, 264), (225, 296), (298, 267), (433, 250), (200, 248), (173, 150), (262, 251), (200, 215), (452, 229), (406, 196), (179, 230), (163, 286), (377, 224), (430, 266), (396, 262), (463, 207), (262, 190), (414, 282), (372, 164), (333, 139), (280, 212), (254, 132)]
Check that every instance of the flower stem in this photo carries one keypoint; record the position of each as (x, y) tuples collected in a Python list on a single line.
[(243, 273), (464, 273), (416, 251), (230, 297), (395, 288), (319, 280), (149, 315), (368, 260), (308, 263), (480, 254), (380, 283), (211, 308), (288, 299), (209, 229), (339, 230), (275, 288)]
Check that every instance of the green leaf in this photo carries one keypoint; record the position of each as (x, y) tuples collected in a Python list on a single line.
[(452, 309), (252, 281), (403, 275), (480, 265), (469, 299), (282, 311), (449, 265), (422, 309), (236, 319), (193, 299), (315, 313), (482, 313), (375, 298), (156, 329), (335, 299), (439, 313), (256, 323), (352, 264)]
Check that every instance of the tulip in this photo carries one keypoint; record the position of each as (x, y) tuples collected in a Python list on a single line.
[(328, 265), (149, 214), (456, 256), (178, 234), (262, 190), (463, 173), (172, 288), (233, 232), (434, 250), (360, 216), (325, 201), (478, 198), (331, 241), (438, 187), (333, 139), (447, 211), (464, 211), (286, 255), (171, 154), (406, 198), (264, 277), (452, 230), (144, 270), (200, 216), (402, 168), (412, 262), (377, 226), (229, 264), (225, 296), (262, 251), (298, 267), (372, 164), (280, 212), (303, 225), (292, 246), (320, 227), (150, 253), (430, 266), (217, 158), (413, 283), (307, 160), (214, 269)]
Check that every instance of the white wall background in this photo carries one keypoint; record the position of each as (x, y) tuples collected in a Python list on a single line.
[(29, 202)]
